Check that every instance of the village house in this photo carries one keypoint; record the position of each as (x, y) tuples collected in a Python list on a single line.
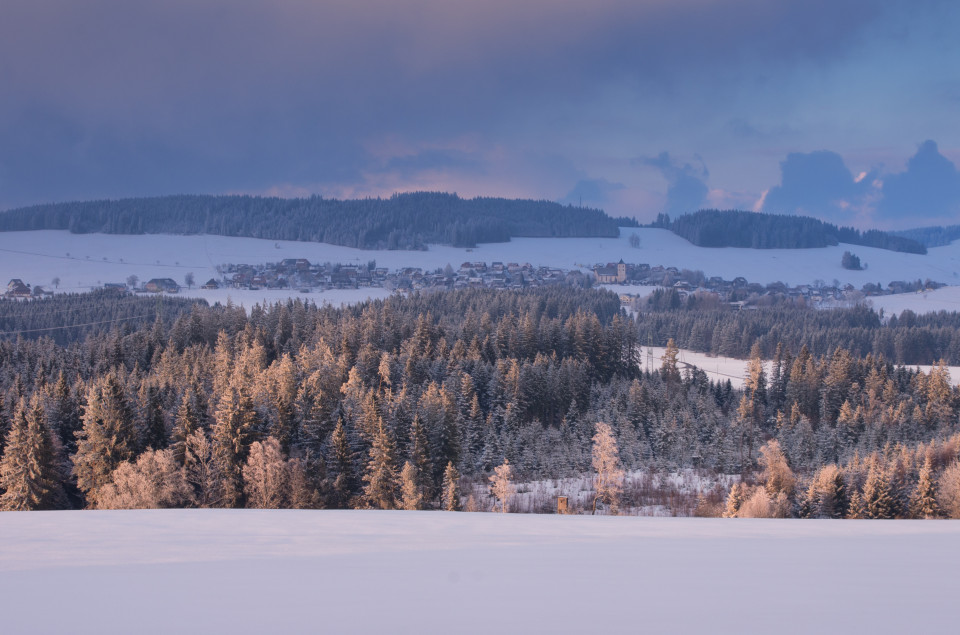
[(161, 285), (17, 289)]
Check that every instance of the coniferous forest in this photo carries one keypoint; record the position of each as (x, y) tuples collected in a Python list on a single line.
[(936, 236), (403, 221), (394, 403), (735, 228)]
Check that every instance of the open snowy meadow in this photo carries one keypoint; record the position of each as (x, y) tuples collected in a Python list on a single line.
[(720, 369), (246, 571), (82, 261)]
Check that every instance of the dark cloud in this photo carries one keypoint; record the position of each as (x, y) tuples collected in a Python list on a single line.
[(817, 184), (686, 184), (929, 188), (147, 97), (820, 184), (591, 192)]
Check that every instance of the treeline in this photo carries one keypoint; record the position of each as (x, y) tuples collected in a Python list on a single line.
[(70, 317), (734, 228), (900, 481), (868, 441), (937, 236), (700, 323), (403, 221), (388, 404)]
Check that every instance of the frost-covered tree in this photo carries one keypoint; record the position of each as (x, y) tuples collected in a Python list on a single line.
[(265, 476), (502, 484), (948, 490), (233, 432), (669, 368), (777, 475), (759, 504), (63, 413), (342, 466), (857, 509), (420, 457), (381, 474), (608, 475), (151, 426), (29, 476), (923, 502), (108, 437), (734, 500), (827, 495), (201, 471), (878, 497), (411, 496), (450, 491), (154, 481), (186, 422)]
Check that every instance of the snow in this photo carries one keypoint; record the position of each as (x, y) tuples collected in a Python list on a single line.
[(38, 256), (638, 290), (245, 571), (717, 369), (943, 299), (540, 497), (720, 368)]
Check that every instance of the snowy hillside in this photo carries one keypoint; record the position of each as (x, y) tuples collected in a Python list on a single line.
[(943, 299), (245, 571), (85, 260)]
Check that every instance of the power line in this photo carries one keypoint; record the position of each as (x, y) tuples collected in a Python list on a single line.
[(73, 326), (691, 365), (106, 260)]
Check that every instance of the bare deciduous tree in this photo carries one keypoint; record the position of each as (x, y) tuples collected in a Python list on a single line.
[(948, 492), (411, 497), (608, 478), (502, 484), (777, 475)]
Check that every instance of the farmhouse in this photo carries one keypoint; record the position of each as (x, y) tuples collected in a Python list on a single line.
[(161, 285), (17, 289)]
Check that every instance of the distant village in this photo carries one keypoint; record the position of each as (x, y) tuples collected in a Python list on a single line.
[(299, 273), (302, 275)]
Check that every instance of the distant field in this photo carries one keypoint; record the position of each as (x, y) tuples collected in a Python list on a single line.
[(943, 299), (37, 257), (721, 369), (246, 571)]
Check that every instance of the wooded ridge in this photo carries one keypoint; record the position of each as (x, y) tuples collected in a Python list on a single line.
[(403, 221)]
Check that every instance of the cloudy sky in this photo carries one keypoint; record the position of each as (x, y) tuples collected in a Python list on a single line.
[(844, 109)]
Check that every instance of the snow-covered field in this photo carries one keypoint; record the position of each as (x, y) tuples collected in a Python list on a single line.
[(85, 260), (240, 571), (721, 368), (943, 299), (716, 368)]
